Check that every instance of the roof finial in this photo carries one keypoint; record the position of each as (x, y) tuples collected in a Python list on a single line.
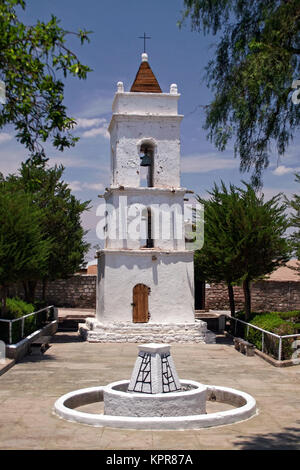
[(144, 57), (120, 87)]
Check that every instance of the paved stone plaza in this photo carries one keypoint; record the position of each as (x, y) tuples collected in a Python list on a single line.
[(29, 389)]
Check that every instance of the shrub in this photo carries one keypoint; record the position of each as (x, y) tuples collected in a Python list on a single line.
[(17, 308), (293, 315), (273, 323)]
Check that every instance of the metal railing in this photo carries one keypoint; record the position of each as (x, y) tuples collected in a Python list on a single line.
[(22, 319), (265, 332)]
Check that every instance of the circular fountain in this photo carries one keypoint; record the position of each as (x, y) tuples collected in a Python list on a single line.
[(155, 398)]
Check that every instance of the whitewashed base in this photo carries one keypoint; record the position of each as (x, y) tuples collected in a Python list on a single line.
[(119, 402), (123, 332)]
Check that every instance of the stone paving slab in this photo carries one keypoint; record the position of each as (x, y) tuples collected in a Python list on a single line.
[(29, 389), (5, 365), (69, 313)]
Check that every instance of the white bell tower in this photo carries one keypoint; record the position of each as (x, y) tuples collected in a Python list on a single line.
[(145, 286)]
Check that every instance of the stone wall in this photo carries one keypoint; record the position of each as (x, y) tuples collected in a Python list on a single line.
[(76, 291), (265, 295), (80, 291)]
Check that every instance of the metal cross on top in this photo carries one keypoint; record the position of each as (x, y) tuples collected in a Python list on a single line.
[(144, 37)]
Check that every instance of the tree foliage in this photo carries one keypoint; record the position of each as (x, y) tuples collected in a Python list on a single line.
[(295, 223), (216, 261), (60, 218), (256, 61), (33, 62), (24, 251), (244, 236)]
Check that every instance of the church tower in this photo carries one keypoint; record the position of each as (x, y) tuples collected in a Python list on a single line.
[(145, 285)]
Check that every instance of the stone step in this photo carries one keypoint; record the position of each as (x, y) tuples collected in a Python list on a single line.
[(162, 333)]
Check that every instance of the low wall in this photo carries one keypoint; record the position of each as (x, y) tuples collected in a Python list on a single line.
[(265, 296), (79, 291), (76, 291)]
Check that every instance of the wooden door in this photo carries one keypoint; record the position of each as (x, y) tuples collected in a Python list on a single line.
[(140, 304)]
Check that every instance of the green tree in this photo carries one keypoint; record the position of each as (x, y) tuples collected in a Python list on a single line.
[(24, 251), (295, 222), (244, 237), (217, 260), (256, 61), (60, 220), (33, 62)]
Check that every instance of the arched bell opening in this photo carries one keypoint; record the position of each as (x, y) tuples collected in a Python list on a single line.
[(146, 164)]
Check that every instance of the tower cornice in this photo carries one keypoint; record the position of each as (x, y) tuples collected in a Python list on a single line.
[(128, 190), (139, 103), (118, 117)]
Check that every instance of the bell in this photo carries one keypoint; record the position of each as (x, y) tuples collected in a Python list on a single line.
[(145, 159)]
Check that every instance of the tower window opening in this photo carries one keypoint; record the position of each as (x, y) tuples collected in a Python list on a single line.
[(150, 243), (147, 240), (146, 168)]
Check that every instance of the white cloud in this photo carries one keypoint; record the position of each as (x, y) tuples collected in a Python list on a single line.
[(74, 185), (97, 106), (85, 123), (94, 186), (96, 131), (5, 137), (73, 162), (271, 192), (79, 186), (10, 160), (283, 170), (207, 162), (292, 155)]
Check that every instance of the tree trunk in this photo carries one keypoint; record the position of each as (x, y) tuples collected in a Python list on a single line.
[(45, 281), (29, 288), (25, 290), (231, 299), (3, 301), (247, 296)]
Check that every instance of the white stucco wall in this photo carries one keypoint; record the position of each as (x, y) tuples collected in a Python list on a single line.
[(170, 277), (145, 118), (127, 135), (141, 117), (167, 218), (146, 103)]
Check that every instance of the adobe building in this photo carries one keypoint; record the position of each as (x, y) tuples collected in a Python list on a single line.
[(145, 283)]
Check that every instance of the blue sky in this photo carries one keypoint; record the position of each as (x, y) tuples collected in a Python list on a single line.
[(176, 56)]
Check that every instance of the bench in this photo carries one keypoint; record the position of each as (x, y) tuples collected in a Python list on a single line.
[(244, 346), (40, 345)]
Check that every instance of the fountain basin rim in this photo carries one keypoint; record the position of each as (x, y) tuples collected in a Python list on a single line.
[(93, 394)]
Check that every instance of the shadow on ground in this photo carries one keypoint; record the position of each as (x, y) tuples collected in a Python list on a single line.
[(223, 339), (66, 338), (37, 358), (288, 439)]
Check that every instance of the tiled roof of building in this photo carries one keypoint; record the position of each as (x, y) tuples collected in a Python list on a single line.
[(145, 80), (285, 273)]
